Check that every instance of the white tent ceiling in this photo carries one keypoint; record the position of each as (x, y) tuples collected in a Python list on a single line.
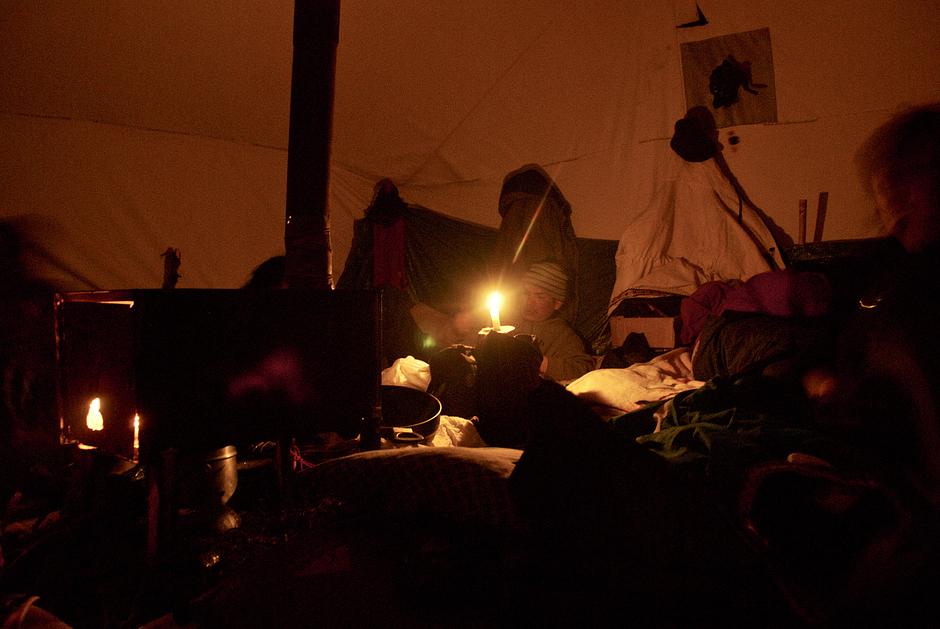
[(130, 126)]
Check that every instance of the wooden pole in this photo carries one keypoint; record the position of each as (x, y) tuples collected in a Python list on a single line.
[(802, 238), (821, 216), (308, 251)]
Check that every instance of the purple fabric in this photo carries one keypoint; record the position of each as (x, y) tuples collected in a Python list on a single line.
[(696, 308), (782, 293)]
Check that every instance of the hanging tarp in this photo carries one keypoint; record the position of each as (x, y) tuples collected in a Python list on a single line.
[(697, 228), (448, 264)]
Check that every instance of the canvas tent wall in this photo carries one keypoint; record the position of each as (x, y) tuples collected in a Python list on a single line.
[(128, 127)]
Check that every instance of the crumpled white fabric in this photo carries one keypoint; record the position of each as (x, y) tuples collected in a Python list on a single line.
[(633, 387), (408, 372), (457, 431)]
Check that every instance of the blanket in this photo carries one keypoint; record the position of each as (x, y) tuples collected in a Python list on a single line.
[(457, 484), (616, 391)]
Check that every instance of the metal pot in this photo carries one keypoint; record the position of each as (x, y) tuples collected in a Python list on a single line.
[(409, 415), (208, 479), (206, 482)]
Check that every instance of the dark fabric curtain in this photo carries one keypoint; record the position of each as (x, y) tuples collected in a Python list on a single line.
[(445, 256)]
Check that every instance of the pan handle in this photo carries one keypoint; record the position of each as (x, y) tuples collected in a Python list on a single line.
[(401, 435), (407, 436)]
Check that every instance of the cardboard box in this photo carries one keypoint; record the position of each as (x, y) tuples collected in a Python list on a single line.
[(660, 331)]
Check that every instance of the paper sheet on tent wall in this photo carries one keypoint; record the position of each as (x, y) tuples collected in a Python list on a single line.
[(732, 75)]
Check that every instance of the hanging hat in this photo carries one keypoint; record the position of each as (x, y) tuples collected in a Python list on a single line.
[(692, 140), (549, 277)]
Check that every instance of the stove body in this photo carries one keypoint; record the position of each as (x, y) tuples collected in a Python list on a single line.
[(203, 369)]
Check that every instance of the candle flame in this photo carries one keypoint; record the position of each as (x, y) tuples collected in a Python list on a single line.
[(94, 420), (493, 302), (136, 435)]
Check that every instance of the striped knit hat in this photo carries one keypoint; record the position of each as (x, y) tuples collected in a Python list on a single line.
[(549, 277)]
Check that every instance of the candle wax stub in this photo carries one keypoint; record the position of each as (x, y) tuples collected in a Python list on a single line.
[(503, 329)]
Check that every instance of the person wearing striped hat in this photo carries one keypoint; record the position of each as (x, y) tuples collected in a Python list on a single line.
[(544, 291)]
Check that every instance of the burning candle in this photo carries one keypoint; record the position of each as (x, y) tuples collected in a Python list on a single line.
[(493, 302), (94, 420), (136, 435)]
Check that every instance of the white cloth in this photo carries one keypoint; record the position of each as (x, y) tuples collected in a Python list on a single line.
[(689, 234), (408, 372), (633, 387)]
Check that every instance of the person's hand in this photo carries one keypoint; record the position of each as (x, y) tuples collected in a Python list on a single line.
[(463, 323)]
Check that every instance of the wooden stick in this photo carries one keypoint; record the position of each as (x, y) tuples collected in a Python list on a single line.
[(802, 240), (820, 216)]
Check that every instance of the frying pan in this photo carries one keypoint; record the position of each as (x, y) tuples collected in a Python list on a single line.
[(409, 415)]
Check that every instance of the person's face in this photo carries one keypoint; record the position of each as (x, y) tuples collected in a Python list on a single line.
[(539, 305), (915, 224)]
